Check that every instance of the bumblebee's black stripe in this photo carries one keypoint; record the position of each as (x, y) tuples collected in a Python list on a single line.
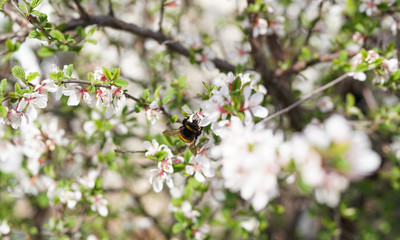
[(183, 138), (188, 127)]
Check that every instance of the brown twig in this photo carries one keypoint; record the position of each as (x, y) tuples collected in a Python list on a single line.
[(301, 65), (127, 151), (161, 15), (82, 11), (110, 8), (110, 21), (278, 88)]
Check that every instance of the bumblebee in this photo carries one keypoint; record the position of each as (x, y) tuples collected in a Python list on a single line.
[(188, 132)]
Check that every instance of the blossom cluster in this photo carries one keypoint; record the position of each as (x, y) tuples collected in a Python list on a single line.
[(329, 156), (368, 60), (35, 96), (32, 143), (224, 100)]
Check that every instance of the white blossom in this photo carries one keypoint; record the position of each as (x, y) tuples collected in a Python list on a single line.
[(4, 228), (200, 167), (153, 112), (76, 94), (99, 204), (249, 162)]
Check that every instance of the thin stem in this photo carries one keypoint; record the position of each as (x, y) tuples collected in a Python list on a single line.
[(161, 16), (110, 8), (127, 151), (306, 97)]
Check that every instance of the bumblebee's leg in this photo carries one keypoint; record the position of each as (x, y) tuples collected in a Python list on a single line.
[(193, 148)]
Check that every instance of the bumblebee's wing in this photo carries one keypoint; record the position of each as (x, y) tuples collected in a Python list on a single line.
[(171, 132), (192, 147)]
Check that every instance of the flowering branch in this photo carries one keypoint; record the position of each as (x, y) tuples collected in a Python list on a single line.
[(127, 95), (308, 96)]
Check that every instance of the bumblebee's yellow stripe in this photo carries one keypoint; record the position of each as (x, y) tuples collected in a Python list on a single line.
[(188, 127), (184, 139)]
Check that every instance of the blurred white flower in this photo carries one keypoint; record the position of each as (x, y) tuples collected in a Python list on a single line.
[(99, 204), (10, 157), (206, 58), (369, 6), (252, 103), (328, 156), (4, 228), (241, 53), (70, 197), (249, 161), (325, 104), (201, 233), (189, 213), (30, 101), (260, 27), (153, 112), (89, 180), (389, 66), (250, 224)]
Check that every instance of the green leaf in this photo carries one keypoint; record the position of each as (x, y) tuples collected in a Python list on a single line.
[(7, 56), (18, 72), (90, 77), (179, 167), (361, 67), (138, 108), (57, 35), (121, 83), (35, 3), (161, 155), (91, 31), (3, 85), (32, 76), (187, 155), (157, 93), (9, 45), (3, 111), (23, 9), (364, 53), (92, 41), (17, 88), (178, 227), (236, 84), (2, 3), (70, 70), (42, 17), (56, 76), (107, 73), (91, 89), (179, 216), (35, 34), (13, 95), (166, 99), (116, 74), (146, 93), (174, 118), (45, 52), (182, 81), (80, 31)]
